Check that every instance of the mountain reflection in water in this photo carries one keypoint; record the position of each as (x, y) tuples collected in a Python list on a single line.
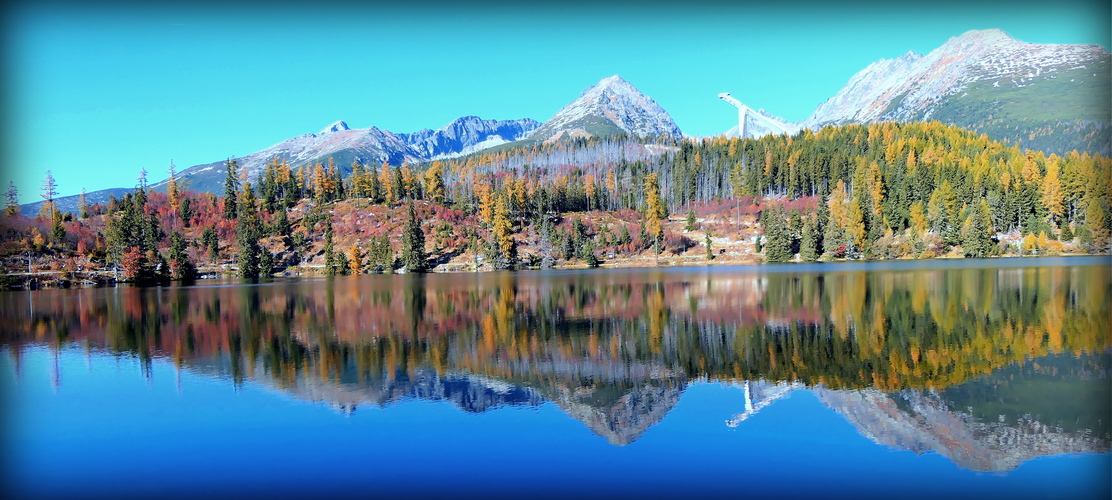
[(987, 366)]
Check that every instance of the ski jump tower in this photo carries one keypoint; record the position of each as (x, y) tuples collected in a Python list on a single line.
[(743, 110)]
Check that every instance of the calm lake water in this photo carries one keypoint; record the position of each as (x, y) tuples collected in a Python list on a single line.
[(939, 379)]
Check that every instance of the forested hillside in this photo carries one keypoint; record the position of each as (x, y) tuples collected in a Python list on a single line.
[(880, 191)]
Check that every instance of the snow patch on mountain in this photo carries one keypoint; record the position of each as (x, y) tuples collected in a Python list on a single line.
[(466, 135), (335, 127)]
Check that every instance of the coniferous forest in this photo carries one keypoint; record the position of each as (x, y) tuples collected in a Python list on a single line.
[(880, 191)]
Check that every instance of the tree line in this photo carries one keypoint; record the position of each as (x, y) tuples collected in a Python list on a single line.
[(855, 191)]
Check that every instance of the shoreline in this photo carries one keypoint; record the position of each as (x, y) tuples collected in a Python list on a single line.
[(47, 280)]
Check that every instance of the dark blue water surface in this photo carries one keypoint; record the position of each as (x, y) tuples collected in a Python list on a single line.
[(924, 381)]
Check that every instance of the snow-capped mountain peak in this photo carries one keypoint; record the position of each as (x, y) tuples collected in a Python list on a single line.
[(611, 105)]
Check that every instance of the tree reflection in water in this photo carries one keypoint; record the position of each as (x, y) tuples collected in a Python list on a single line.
[(913, 358)]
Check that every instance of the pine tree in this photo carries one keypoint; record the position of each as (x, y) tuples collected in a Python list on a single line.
[(808, 247), (374, 187), (248, 232), (382, 254), (397, 184), (57, 230), (185, 211), (977, 240), (12, 207), (281, 225), (342, 265), (1066, 232), (413, 243), (180, 265), (330, 267), (266, 263), (587, 253), (690, 225), (706, 241), (231, 189), (82, 205), (778, 247), (210, 242), (624, 238)]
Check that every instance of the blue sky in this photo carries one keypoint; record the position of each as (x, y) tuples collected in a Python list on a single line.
[(95, 94)]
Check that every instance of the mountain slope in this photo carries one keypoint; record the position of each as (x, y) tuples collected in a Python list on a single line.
[(989, 82)]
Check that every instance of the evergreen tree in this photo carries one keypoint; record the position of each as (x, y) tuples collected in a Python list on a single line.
[(808, 247), (342, 264), (778, 248), (330, 264), (587, 253), (281, 225), (57, 230), (248, 232), (180, 265), (690, 225), (185, 211), (82, 205), (210, 242), (12, 207), (1066, 232), (231, 189), (397, 184), (266, 263), (706, 241), (977, 240), (819, 228), (624, 238), (374, 187), (382, 254), (413, 243)]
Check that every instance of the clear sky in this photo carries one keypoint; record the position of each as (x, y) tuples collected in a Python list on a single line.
[(94, 93)]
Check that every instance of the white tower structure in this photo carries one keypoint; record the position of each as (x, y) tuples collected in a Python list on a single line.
[(742, 111)]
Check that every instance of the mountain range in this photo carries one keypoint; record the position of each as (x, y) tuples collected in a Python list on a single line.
[(1042, 96)]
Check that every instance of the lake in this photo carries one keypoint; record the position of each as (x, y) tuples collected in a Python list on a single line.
[(952, 378)]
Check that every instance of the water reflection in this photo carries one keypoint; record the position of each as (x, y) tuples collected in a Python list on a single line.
[(989, 367)]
